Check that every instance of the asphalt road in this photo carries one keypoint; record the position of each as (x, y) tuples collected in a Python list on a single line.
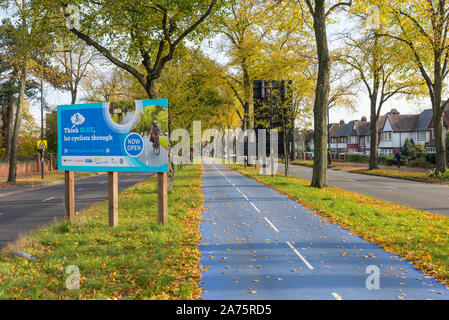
[(32, 209), (423, 196), (259, 244)]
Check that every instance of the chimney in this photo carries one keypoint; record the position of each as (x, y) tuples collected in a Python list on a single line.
[(364, 119), (394, 111), (342, 124)]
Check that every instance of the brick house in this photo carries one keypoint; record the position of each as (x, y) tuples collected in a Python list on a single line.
[(354, 137)]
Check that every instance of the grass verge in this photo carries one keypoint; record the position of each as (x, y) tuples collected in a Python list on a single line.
[(418, 236), (388, 173), (140, 259)]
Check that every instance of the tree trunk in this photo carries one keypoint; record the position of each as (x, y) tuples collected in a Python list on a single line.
[(438, 112), (374, 130), (286, 153), (374, 142), (247, 97), (74, 95), (319, 179), (17, 124), (440, 143), (9, 126)]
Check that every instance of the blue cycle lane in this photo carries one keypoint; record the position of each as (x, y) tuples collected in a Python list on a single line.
[(259, 245)]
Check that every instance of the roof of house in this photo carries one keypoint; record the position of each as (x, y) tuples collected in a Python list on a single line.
[(402, 123), (334, 128), (363, 128), (424, 120), (354, 128), (346, 131)]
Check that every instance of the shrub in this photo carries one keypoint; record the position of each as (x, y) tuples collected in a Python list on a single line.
[(386, 160), (420, 162), (357, 158), (407, 150), (431, 157), (444, 175)]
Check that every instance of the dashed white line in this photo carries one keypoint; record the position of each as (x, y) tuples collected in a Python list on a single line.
[(252, 204), (272, 225), (48, 199), (255, 208), (300, 256)]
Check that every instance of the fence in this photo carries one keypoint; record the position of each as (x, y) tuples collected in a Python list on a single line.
[(310, 157), (29, 168)]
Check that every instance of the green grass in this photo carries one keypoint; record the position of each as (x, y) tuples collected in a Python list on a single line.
[(417, 236), (140, 259)]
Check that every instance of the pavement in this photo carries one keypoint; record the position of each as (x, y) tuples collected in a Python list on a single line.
[(423, 196), (31, 209), (258, 244)]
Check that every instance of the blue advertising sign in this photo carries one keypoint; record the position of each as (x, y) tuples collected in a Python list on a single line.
[(114, 137)]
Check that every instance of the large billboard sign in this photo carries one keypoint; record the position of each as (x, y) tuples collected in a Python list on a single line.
[(114, 137)]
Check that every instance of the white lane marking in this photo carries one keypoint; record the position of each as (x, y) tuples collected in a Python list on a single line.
[(244, 195), (300, 256), (252, 204), (1, 214), (255, 208), (392, 188), (80, 189), (48, 199), (104, 182), (272, 225), (337, 296)]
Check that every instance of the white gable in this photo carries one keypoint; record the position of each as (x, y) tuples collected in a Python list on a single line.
[(387, 126)]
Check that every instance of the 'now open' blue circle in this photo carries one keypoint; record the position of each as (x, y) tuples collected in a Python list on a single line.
[(134, 145)]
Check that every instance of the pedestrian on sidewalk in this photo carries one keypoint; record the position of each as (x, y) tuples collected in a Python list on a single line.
[(398, 158)]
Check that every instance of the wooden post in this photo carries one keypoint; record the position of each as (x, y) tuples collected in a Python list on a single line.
[(113, 198), (70, 195), (162, 200)]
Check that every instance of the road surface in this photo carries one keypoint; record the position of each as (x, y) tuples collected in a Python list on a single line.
[(423, 196), (31, 209), (259, 244)]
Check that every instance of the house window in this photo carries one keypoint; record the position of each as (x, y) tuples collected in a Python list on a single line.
[(386, 136), (353, 140), (431, 150), (386, 152), (422, 136), (367, 140)]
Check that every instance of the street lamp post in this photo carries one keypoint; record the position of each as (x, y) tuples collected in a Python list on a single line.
[(42, 108)]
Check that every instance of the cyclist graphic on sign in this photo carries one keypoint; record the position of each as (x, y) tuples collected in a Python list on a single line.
[(155, 133)]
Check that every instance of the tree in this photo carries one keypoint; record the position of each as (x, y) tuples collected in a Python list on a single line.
[(423, 27), (140, 37), (22, 39), (244, 27), (320, 13), (382, 70), (75, 58), (407, 149)]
